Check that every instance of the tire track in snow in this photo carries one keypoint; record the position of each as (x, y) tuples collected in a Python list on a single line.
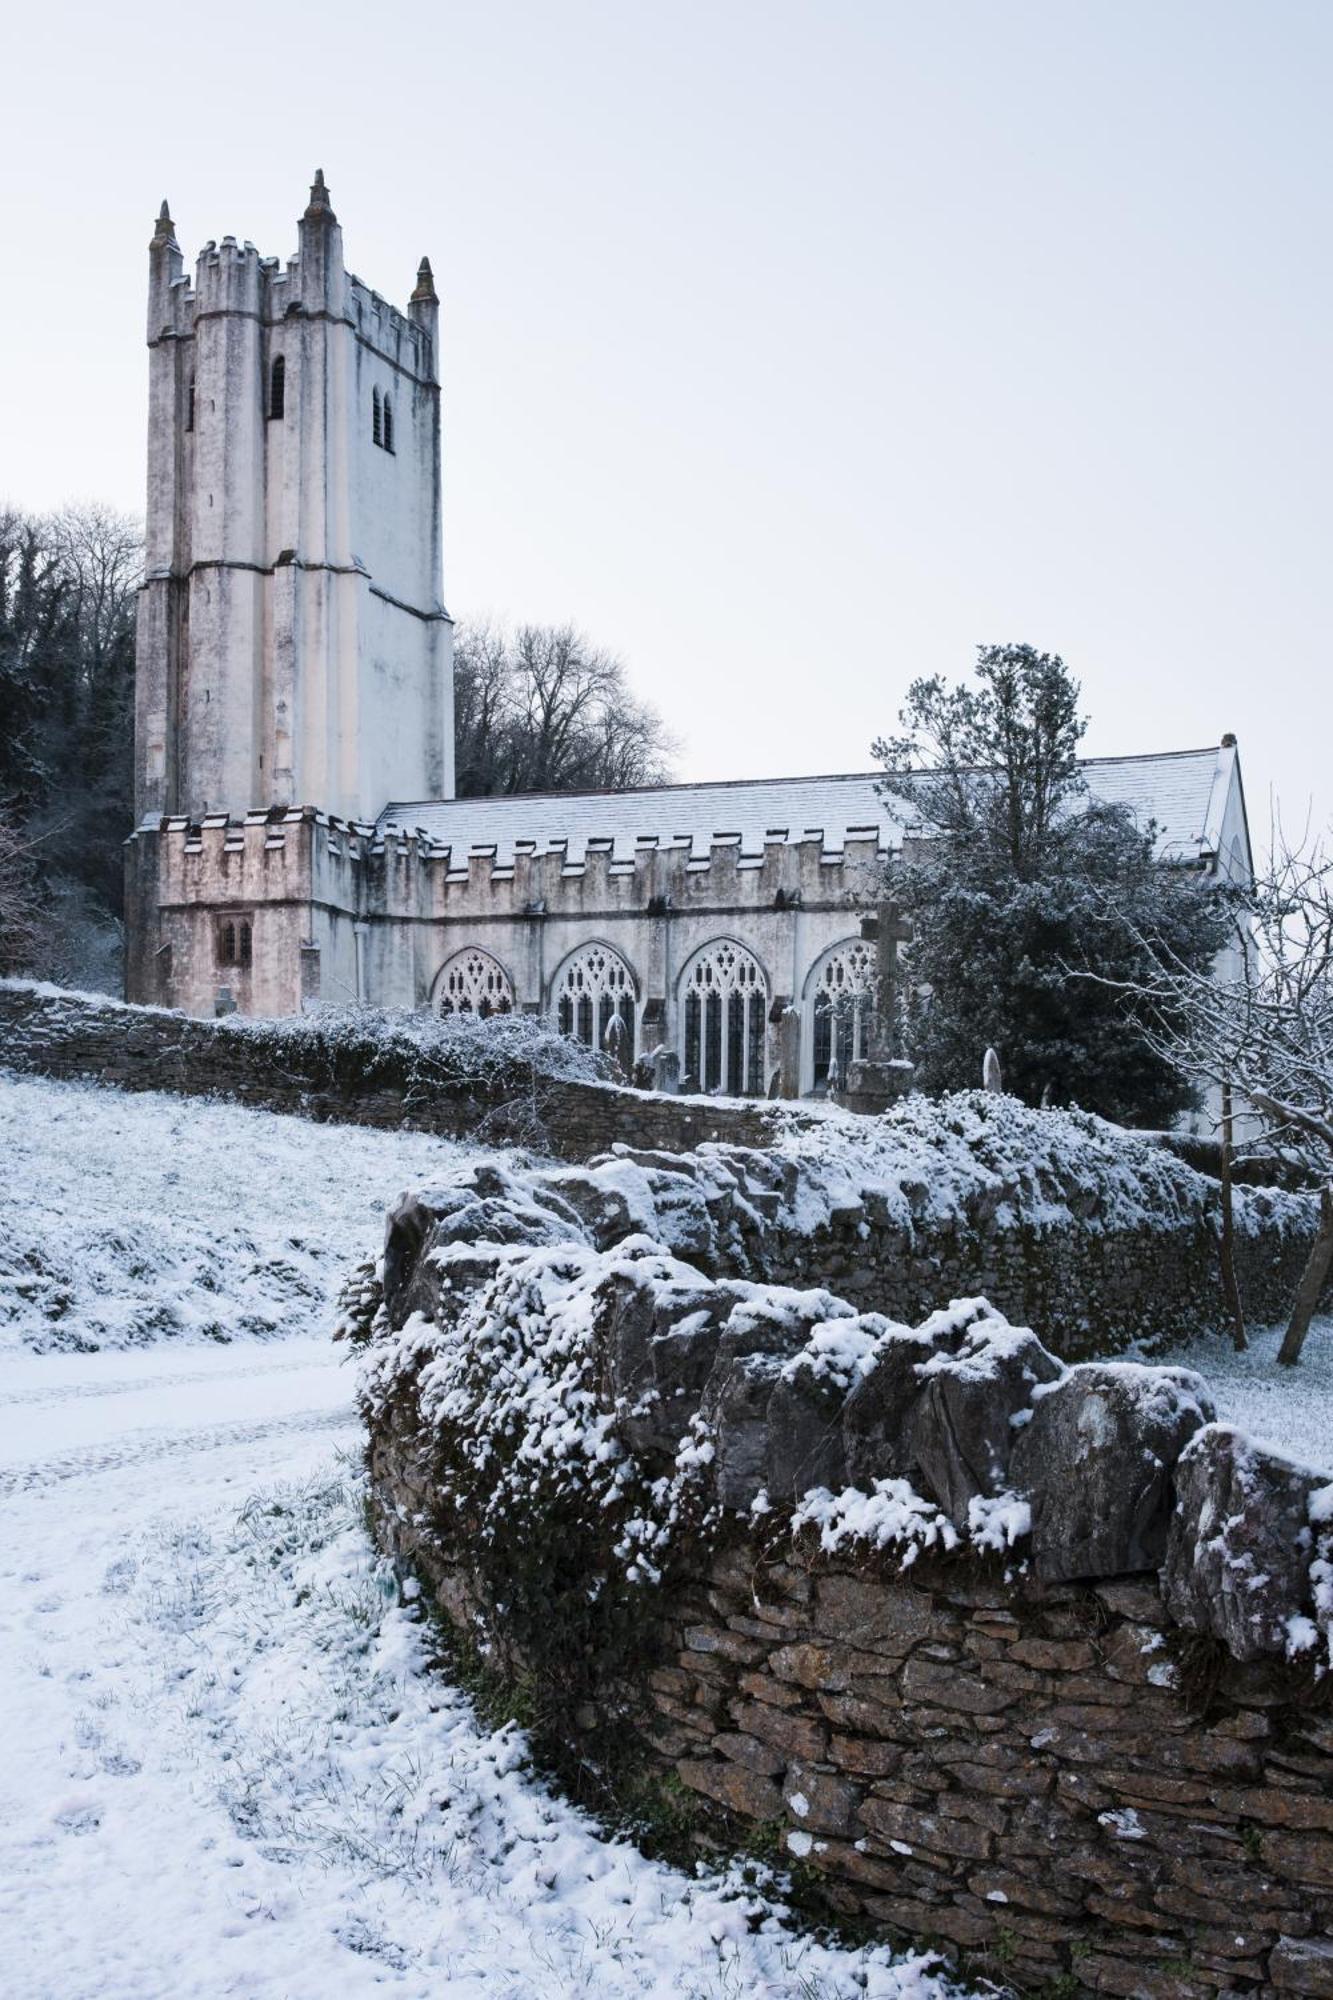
[(76, 1391), (115, 1454)]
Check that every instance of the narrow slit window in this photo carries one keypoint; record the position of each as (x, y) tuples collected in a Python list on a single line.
[(189, 406), (245, 952), (376, 424), (227, 944), (388, 422), (277, 387)]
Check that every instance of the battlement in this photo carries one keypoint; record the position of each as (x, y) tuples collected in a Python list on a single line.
[(281, 854), (228, 278), (233, 276)]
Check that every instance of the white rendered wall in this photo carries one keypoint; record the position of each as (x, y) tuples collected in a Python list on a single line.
[(293, 646)]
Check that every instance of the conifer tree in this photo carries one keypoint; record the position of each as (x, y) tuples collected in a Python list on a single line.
[(1021, 882)]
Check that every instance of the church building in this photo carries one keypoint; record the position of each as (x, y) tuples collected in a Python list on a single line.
[(297, 837)]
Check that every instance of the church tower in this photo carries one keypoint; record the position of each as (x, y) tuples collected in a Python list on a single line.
[(293, 645)]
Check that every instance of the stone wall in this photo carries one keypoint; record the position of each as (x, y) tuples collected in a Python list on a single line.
[(928, 1204), (277, 1069), (1008, 1771), (1025, 1661)]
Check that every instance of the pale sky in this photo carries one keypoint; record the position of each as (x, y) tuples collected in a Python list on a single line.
[(790, 351)]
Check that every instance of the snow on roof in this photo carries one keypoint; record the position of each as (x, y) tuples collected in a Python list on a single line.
[(1183, 791)]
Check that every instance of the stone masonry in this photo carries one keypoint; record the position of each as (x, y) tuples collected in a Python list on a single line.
[(1103, 1284), (1092, 1752)]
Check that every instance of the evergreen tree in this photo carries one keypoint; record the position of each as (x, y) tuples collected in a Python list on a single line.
[(1021, 886)]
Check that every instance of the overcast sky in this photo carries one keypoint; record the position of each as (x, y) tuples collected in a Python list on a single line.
[(791, 351)]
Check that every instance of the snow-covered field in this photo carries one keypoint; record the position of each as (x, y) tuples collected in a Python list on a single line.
[(128, 1219), (221, 1770), (1289, 1408)]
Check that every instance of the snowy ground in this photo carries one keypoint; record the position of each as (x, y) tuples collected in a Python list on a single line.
[(221, 1770), (1289, 1408), (133, 1219)]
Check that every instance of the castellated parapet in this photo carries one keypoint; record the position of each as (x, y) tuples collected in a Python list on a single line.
[(293, 640), (339, 910)]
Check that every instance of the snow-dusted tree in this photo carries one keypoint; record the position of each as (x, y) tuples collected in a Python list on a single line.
[(1022, 875), (67, 596), (1266, 1031), (20, 900)]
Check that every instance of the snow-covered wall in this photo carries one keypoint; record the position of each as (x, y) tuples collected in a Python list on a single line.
[(1061, 1220), (1027, 1658)]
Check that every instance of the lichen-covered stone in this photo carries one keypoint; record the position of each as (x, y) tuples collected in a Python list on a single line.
[(960, 1433), (879, 1406), (735, 1410), (1097, 1459), (1238, 1559)]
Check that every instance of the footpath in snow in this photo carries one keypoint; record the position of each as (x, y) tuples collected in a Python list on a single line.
[(223, 1770)]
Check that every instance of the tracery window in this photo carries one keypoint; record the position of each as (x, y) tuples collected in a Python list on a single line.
[(472, 982), (723, 1019), (277, 387), (593, 988), (842, 1002), (376, 420)]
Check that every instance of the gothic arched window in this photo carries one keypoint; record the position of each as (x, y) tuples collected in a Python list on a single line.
[(724, 1014), (376, 427), (388, 421), (472, 982), (593, 988), (277, 387), (840, 1001)]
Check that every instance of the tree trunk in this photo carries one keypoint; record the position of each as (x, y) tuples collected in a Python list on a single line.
[(1309, 1290), (1228, 1246)]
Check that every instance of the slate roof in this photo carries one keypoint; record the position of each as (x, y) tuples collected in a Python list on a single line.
[(1183, 791)]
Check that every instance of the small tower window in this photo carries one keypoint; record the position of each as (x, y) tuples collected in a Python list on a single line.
[(376, 426), (235, 943), (277, 387), (189, 406), (388, 422)]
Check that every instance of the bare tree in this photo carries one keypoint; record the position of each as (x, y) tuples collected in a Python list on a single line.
[(21, 908), (99, 554), (68, 584), (542, 710), (1264, 1030)]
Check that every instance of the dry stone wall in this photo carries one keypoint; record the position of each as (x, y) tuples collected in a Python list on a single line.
[(1055, 1217), (1010, 1769), (334, 1073), (1027, 1660)]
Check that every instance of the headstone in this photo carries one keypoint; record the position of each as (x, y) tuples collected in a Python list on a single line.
[(616, 1043), (666, 1071)]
